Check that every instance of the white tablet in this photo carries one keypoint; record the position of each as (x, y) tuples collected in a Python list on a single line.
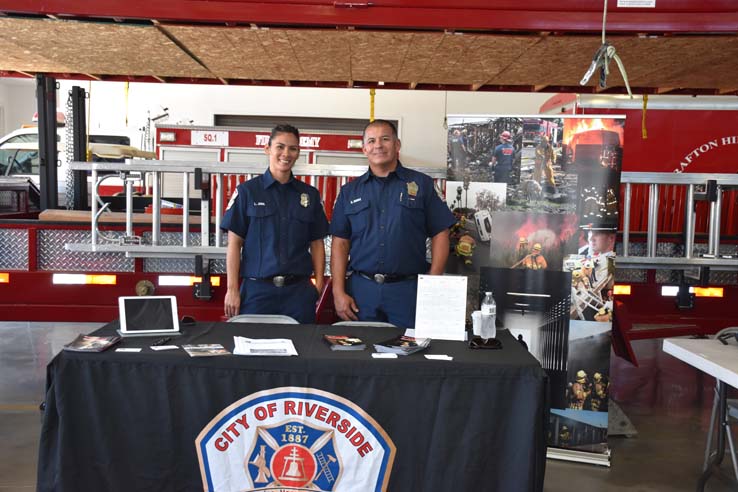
[(148, 315)]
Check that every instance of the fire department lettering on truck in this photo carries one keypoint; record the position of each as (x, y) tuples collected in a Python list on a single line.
[(305, 142), (294, 438)]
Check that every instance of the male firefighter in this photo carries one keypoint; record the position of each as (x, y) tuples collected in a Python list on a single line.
[(579, 391), (544, 162), (534, 260), (601, 390), (459, 150), (381, 221), (276, 225), (502, 158), (522, 248)]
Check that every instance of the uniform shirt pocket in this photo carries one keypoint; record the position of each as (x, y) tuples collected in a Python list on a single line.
[(301, 221), (357, 214), (412, 212), (261, 220)]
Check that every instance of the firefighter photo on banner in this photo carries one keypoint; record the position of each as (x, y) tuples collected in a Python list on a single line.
[(537, 203)]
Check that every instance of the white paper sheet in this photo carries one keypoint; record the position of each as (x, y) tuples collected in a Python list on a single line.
[(264, 347), (440, 309)]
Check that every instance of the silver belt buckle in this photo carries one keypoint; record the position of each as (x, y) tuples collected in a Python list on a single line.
[(278, 280), (379, 278)]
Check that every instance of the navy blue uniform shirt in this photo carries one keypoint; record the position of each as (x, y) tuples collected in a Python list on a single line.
[(504, 154), (277, 222), (388, 220)]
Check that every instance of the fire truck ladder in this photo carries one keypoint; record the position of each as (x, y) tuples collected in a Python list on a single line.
[(583, 299), (694, 188), (223, 175)]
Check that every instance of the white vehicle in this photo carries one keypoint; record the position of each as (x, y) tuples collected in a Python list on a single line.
[(19, 155), (484, 225)]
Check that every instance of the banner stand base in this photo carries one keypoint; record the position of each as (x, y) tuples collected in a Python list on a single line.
[(600, 459), (618, 422)]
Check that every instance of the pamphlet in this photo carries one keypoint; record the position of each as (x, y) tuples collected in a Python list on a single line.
[(402, 345), (344, 342), (264, 347), (87, 343), (205, 350)]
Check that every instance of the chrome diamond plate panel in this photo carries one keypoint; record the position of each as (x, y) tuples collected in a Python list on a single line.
[(178, 265), (668, 276), (627, 275), (14, 249), (53, 257), (723, 278), (13, 201)]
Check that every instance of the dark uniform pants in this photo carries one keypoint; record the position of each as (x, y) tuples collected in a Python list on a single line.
[(295, 300), (390, 302), (502, 174)]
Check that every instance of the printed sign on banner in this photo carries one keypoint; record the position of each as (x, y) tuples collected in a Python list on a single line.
[(537, 202), (294, 439)]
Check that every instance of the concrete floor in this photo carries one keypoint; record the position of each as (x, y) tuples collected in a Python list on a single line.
[(667, 402)]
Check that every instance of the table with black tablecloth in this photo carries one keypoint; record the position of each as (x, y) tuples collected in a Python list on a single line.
[(119, 421)]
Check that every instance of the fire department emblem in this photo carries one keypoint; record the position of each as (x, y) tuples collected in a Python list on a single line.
[(304, 200), (293, 454), (293, 438), (412, 188)]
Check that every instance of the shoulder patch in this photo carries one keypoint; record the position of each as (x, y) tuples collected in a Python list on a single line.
[(233, 199)]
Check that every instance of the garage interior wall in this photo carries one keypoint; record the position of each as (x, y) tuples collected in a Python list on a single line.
[(420, 113), (18, 100)]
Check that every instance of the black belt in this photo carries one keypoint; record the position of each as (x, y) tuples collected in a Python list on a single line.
[(385, 278), (281, 280)]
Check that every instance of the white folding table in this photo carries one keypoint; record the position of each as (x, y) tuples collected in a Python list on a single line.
[(720, 361)]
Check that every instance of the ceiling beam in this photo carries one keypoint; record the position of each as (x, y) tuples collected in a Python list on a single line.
[(716, 16)]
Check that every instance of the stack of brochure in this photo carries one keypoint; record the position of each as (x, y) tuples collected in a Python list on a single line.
[(205, 350), (87, 343), (269, 347), (344, 342), (402, 345)]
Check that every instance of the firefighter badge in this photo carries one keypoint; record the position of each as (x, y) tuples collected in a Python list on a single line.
[(304, 200), (412, 189)]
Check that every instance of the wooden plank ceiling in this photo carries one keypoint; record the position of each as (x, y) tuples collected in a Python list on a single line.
[(152, 51)]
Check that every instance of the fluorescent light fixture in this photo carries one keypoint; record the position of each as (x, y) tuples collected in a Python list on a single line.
[(521, 304), (167, 137), (185, 280), (83, 279), (707, 291), (525, 294), (621, 290), (671, 291)]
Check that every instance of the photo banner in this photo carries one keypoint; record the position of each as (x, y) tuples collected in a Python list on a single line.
[(537, 203)]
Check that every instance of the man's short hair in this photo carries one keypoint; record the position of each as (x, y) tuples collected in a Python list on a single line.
[(284, 128), (380, 122)]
